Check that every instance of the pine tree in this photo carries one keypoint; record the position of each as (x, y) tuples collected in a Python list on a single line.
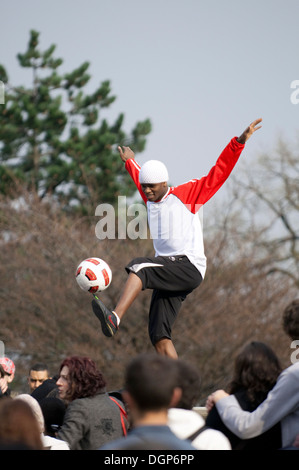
[(53, 139)]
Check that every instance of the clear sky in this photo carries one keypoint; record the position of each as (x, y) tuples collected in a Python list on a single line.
[(200, 70)]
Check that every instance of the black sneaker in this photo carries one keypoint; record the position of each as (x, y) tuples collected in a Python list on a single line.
[(106, 317)]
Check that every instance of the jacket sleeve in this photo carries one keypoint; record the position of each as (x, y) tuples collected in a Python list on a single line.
[(197, 192), (133, 168), (74, 425), (280, 402)]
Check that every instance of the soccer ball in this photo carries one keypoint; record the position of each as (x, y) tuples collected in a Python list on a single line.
[(93, 275)]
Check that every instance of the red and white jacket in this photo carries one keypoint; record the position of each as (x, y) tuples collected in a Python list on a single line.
[(174, 223)]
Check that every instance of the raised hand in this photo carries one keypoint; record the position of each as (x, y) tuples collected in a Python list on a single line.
[(249, 131), (125, 153)]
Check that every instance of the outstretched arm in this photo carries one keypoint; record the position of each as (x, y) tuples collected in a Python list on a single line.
[(280, 405), (198, 191), (128, 157), (249, 131)]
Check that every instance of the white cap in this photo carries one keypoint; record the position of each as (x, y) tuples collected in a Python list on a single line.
[(153, 172)]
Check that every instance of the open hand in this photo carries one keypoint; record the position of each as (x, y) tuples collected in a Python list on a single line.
[(249, 131)]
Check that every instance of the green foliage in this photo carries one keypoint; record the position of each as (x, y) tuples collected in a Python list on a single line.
[(53, 138)]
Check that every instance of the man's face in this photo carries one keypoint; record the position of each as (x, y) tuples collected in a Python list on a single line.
[(63, 383), (36, 378), (154, 192)]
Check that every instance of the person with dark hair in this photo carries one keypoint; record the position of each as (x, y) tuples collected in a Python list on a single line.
[(290, 320), (47, 389), (91, 418), (281, 404), (256, 371), (53, 410), (151, 387), (19, 427), (38, 373), (187, 423)]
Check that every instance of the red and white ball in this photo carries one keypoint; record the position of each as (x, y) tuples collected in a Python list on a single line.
[(93, 275)]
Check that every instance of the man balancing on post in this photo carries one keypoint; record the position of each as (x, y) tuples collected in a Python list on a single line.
[(179, 264)]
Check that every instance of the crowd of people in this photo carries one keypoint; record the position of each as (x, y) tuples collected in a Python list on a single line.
[(155, 410)]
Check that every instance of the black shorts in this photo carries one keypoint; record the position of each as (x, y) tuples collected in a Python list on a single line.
[(172, 278)]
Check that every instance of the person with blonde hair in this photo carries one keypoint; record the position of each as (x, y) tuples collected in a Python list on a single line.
[(49, 443)]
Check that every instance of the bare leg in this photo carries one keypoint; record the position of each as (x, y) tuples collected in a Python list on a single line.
[(165, 347), (131, 290)]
